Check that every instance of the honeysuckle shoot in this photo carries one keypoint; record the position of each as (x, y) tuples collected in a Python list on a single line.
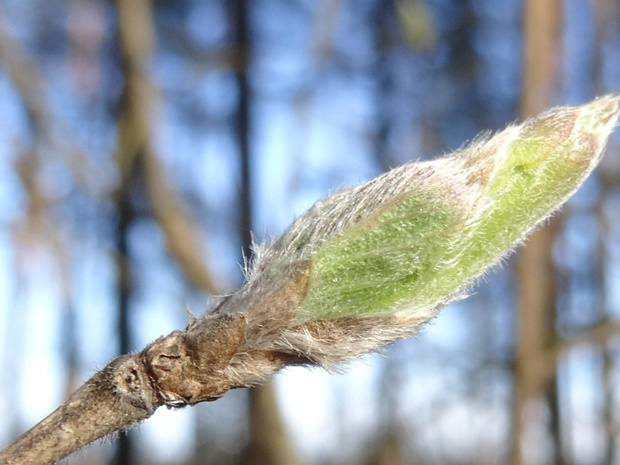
[(399, 247), (360, 269)]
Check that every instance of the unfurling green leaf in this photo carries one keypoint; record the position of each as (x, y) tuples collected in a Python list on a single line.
[(417, 237)]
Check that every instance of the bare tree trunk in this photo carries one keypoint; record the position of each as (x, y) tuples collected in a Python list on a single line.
[(606, 22), (134, 20), (242, 124), (268, 443), (385, 83), (536, 303), (388, 447), (70, 346), (124, 451), (610, 399)]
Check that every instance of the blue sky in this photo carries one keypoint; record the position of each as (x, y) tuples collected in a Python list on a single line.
[(313, 131)]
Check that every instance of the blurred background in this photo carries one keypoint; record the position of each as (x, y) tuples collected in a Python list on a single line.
[(143, 145)]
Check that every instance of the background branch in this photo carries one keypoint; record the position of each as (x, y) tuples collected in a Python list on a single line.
[(137, 41)]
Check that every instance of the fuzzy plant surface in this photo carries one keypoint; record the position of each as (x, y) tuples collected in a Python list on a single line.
[(360, 269)]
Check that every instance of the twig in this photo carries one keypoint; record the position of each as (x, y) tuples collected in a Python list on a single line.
[(360, 269)]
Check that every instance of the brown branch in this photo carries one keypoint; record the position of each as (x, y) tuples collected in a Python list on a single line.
[(224, 349), (599, 335), (542, 368), (536, 292), (180, 228), (237, 344), (116, 396), (178, 225), (31, 87)]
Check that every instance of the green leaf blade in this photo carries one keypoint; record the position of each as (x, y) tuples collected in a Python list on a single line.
[(423, 233)]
